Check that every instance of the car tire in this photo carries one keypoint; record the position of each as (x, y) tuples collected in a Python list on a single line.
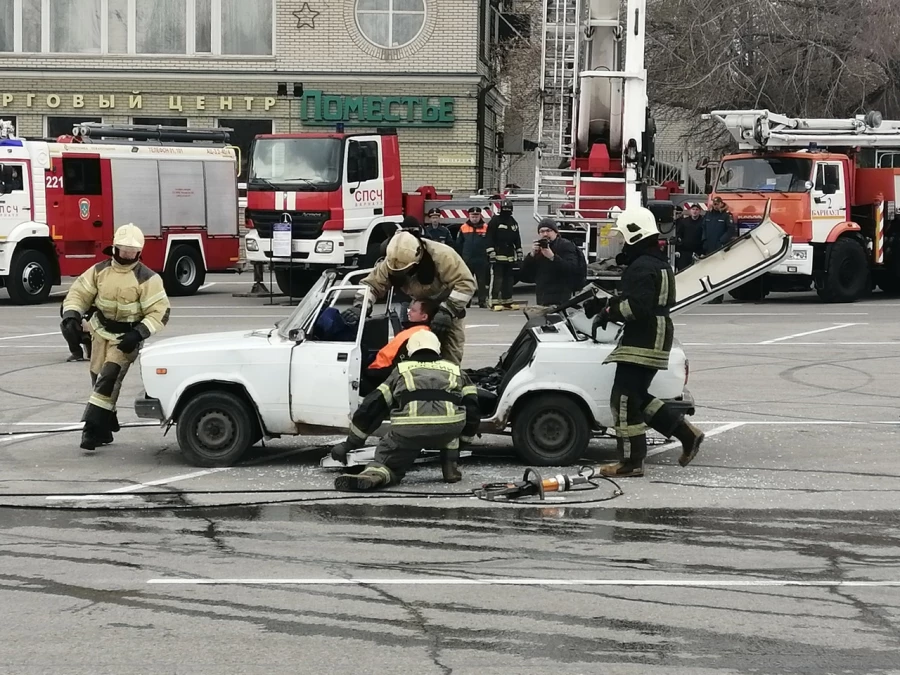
[(752, 291), (215, 429), (550, 430), (847, 276), (185, 272), (30, 278), (296, 283)]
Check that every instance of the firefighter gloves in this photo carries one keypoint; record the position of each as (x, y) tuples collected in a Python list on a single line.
[(130, 342), (442, 323)]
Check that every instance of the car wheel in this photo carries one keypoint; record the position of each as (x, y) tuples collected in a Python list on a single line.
[(215, 429), (752, 291), (550, 430), (184, 273), (30, 278), (847, 276)]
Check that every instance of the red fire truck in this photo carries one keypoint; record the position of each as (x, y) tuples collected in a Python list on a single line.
[(60, 202), (334, 197)]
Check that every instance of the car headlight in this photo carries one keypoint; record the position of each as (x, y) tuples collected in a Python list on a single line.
[(252, 244), (325, 247), (799, 255)]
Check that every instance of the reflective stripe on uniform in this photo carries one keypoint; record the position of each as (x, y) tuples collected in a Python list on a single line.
[(625, 310), (357, 433), (652, 358), (460, 297)]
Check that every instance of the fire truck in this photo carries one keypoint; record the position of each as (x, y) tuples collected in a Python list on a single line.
[(61, 200), (337, 196), (834, 186), (595, 128)]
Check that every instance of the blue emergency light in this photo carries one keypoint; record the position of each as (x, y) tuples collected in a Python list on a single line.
[(10, 142)]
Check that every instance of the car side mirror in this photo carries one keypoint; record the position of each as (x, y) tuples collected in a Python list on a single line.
[(297, 335), (808, 185)]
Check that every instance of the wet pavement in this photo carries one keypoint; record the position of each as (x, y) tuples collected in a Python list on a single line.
[(776, 551)]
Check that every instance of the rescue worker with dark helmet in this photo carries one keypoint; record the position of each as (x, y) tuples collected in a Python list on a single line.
[(432, 405), (425, 270), (504, 249), (642, 305), (130, 305)]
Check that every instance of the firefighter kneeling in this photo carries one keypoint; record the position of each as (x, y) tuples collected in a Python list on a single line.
[(647, 292), (131, 305), (432, 405)]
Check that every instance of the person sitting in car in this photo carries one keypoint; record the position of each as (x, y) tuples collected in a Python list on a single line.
[(419, 316)]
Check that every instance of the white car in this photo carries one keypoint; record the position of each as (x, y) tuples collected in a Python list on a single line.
[(227, 391)]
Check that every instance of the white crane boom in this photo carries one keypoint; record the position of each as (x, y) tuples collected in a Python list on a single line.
[(759, 129)]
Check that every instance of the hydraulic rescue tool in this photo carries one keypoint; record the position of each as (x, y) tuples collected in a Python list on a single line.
[(535, 485)]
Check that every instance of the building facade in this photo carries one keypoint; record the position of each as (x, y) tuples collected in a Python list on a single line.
[(264, 66)]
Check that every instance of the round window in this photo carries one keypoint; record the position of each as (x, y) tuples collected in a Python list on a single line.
[(390, 24)]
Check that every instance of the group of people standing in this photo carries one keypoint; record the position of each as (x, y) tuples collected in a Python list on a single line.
[(699, 232)]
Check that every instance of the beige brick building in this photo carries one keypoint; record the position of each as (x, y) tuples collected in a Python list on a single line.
[(262, 66)]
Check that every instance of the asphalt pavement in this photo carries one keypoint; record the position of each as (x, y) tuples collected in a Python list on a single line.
[(775, 551)]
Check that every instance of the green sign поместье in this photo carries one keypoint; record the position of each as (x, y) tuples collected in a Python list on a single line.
[(318, 109)]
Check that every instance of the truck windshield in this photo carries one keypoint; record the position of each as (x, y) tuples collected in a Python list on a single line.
[(764, 174), (302, 163)]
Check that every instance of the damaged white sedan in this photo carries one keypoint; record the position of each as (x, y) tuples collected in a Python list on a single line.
[(224, 392)]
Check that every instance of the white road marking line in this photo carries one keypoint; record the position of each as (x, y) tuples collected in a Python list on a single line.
[(786, 344), (165, 481), (22, 337), (88, 498), (708, 434), (810, 314), (452, 581), (810, 332), (75, 426), (488, 344), (203, 316), (484, 325), (211, 283)]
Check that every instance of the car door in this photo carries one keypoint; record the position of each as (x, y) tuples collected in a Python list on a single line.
[(363, 191), (325, 373), (78, 202), (15, 195), (829, 199), (740, 261)]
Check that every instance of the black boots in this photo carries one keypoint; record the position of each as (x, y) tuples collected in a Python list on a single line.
[(631, 466), (372, 478), (97, 432), (691, 437), (450, 466)]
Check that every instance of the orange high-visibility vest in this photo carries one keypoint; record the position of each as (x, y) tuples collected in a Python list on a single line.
[(385, 357)]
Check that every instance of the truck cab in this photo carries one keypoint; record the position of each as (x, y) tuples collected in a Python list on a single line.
[(321, 200)]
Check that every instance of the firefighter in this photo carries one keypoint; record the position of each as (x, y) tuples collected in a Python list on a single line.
[(131, 305), (504, 249), (425, 270), (432, 405), (471, 243), (647, 292)]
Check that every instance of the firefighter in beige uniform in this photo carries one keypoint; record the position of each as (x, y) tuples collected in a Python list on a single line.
[(131, 306), (426, 270)]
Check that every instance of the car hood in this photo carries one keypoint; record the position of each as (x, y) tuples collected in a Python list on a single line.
[(207, 342)]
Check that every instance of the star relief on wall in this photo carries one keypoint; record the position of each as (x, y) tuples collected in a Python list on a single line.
[(306, 16)]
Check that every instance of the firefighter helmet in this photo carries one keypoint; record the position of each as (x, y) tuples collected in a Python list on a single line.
[(129, 236), (404, 250), (636, 224), (423, 339)]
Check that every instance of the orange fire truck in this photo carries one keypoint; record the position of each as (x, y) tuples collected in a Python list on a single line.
[(60, 202), (833, 184)]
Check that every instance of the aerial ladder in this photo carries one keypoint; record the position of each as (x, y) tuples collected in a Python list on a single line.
[(593, 127), (834, 185)]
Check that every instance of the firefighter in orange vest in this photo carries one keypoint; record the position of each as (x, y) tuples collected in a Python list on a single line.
[(471, 243), (419, 316)]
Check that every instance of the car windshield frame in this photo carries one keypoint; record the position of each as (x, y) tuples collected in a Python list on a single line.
[(301, 173), (766, 178), (306, 307)]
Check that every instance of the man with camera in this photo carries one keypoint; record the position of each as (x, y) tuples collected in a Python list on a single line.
[(552, 264)]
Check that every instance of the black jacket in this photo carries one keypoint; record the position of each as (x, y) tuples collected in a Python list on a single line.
[(553, 278), (718, 230), (439, 234), (689, 234), (503, 240), (647, 291), (471, 244)]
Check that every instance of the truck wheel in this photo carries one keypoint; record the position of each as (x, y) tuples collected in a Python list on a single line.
[(184, 273), (847, 276), (752, 291), (30, 278), (297, 283), (215, 428), (550, 430)]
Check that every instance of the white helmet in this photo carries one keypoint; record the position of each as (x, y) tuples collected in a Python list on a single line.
[(404, 250), (129, 236), (636, 224), (423, 339)]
